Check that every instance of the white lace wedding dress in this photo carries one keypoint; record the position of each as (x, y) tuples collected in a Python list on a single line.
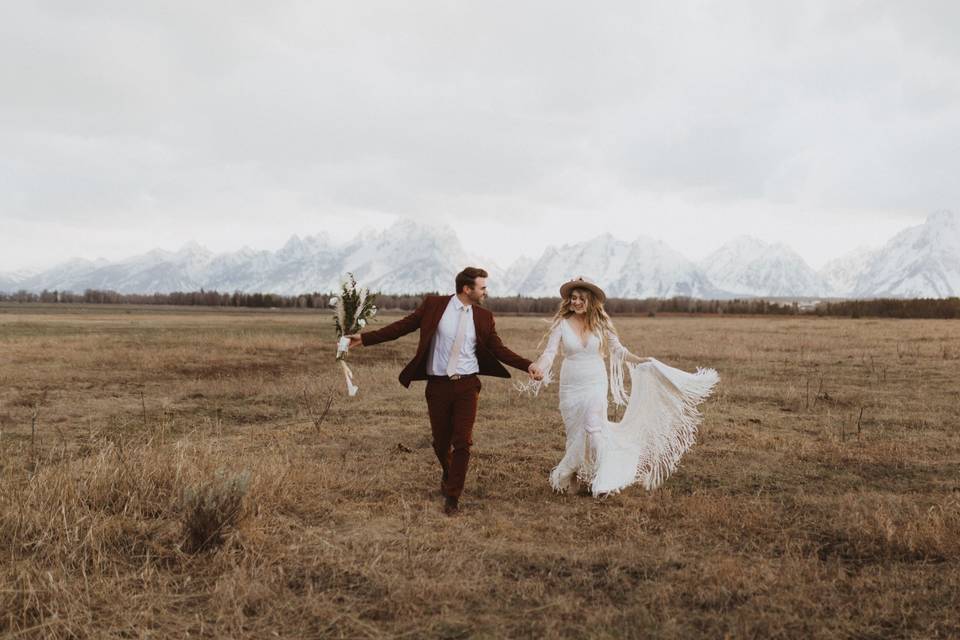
[(658, 426)]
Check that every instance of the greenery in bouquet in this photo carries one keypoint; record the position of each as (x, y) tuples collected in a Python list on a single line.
[(353, 309)]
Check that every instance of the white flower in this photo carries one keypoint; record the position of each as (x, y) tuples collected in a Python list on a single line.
[(373, 311), (361, 323), (333, 301)]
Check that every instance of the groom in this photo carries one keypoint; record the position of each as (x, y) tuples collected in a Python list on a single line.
[(458, 342)]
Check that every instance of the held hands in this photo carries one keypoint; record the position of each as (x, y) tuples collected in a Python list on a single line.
[(355, 340), (535, 372)]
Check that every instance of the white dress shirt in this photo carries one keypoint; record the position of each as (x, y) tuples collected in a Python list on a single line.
[(445, 336)]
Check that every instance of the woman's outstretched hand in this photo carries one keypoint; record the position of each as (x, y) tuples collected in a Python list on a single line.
[(535, 372)]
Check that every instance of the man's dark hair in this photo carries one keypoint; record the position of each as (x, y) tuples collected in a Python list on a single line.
[(468, 278)]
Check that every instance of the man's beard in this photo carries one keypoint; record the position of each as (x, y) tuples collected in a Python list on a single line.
[(476, 301)]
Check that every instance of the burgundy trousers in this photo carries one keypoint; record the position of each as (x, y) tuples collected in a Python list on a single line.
[(452, 405)]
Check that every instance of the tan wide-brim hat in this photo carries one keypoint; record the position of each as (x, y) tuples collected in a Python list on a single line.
[(582, 283)]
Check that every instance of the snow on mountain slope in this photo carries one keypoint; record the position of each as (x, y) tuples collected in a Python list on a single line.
[(748, 266), (601, 259), (654, 270), (508, 281), (63, 275), (405, 258), (409, 257), (841, 274), (155, 271), (919, 262), (13, 281), (642, 268), (9, 283)]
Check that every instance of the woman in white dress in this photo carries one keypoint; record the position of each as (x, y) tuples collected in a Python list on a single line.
[(660, 421)]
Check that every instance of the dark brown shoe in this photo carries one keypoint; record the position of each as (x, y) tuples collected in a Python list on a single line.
[(451, 506)]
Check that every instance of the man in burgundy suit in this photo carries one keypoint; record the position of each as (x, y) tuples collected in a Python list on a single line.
[(458, 343)]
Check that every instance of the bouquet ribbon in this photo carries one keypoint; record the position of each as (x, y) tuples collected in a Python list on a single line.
[(343, 345), (352, 310), (351, 388)]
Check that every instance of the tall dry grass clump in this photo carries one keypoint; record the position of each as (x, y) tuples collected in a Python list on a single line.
[(893, 529), (212, 509), (84, 530)]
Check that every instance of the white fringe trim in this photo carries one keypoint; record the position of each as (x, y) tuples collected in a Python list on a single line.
[(617, 388), (531, 387), (677, 437)]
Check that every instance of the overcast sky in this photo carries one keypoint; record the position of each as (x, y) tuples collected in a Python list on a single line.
[(130, 125)]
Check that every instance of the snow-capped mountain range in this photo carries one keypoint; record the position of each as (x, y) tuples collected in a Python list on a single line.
[(841, 274), (748, 266), (644, 268), (921, 261)]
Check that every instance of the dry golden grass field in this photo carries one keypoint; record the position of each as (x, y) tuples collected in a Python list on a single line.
[(175, 472)]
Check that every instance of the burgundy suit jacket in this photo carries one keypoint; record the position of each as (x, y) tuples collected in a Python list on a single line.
[(490, 349)]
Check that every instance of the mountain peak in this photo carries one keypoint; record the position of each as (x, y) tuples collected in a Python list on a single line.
[(604, 238), (193, 248), (412, 256), (919, 262), (841, 273), (749, 266), (408, 227), (294, 244), (944, 218)]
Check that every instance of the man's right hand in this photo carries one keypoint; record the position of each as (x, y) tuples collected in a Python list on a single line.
[(355, 340)]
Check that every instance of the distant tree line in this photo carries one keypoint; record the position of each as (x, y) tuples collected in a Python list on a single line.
[(892, 308), (200, 298), (519, 305)]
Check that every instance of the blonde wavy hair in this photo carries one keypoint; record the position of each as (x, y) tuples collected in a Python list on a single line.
[(596, 316)]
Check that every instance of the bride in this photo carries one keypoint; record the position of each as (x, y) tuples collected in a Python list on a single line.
[(660, 421)]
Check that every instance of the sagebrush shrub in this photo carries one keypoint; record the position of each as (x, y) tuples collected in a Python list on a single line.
[(210, 509)]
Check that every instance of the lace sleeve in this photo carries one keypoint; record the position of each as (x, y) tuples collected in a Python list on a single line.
[(545, 362)]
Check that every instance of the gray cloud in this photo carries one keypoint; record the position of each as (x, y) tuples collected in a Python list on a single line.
[(244, 122)]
